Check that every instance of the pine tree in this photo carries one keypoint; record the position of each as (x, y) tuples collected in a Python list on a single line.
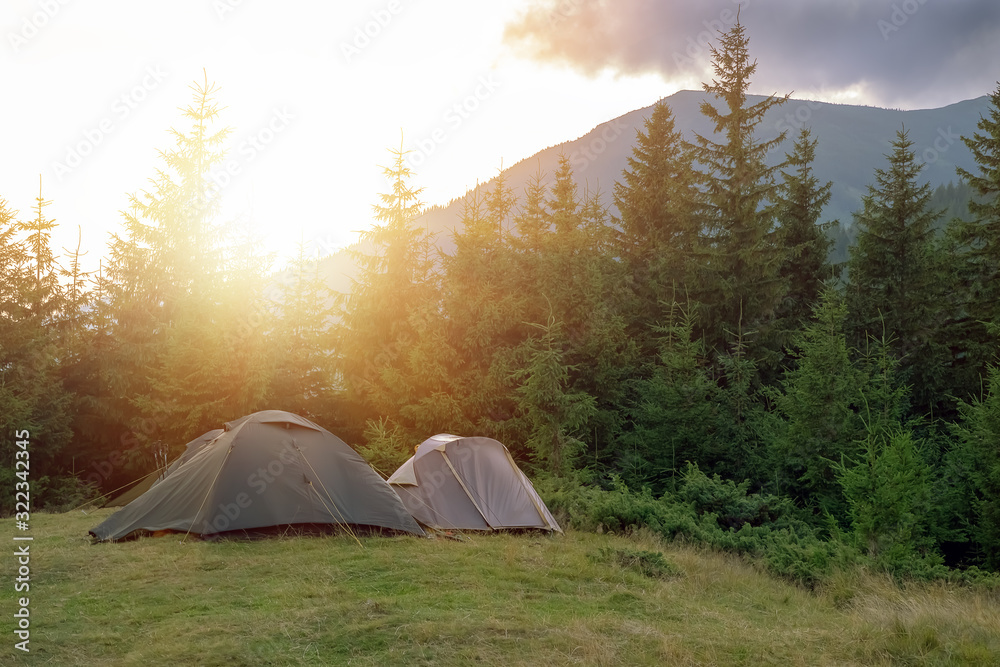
[(655, 199), (819, 408), (32, 396), (977, 265), (894, 287), (383, 316), (164, 282), (739, 285), (806, 246), (672, 411), (554, 413), (303, 379), (977, 445)]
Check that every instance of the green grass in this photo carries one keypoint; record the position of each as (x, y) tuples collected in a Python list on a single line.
[(578, 598)]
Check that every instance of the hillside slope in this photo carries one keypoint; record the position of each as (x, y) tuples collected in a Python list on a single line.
[(578, 598), (852, 143)]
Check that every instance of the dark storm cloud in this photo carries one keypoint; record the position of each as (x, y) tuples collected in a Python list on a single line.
[(906, 52)]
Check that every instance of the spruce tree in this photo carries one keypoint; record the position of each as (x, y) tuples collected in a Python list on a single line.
[(561, 271), (32, 396), (738, 446), (655, 200), (532, 226), (77, 315), (303, 378), (165, 279), (554, 413), (887, 484), (214, 364), (483, 309), (739, 284), (81, 354), (672, 410), (888, 492), (805, 268), (977, 266), (894, 288), (383, 317), (977, 448), (576, 284), (47, 308), (819, 408)]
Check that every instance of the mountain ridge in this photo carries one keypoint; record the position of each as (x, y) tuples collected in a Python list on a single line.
[(598, 161), (852, 141)]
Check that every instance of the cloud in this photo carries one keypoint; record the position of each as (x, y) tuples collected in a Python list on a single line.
[(901, 53)]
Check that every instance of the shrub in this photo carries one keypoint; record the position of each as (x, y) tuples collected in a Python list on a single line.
[(648, 563), (714, 512)]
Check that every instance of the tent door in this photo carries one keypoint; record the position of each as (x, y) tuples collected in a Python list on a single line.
[(466, 489)]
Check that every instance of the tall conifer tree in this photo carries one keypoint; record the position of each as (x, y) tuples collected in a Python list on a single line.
[(740, 285), (818, 405), (303, 380), (803, 240), (977, 265), (382, 316), (894, 289), (484, 309), (977, 435), (32, 396), (165, 280), (655, 199)]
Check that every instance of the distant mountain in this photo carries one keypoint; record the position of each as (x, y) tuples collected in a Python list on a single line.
[(852, 142)]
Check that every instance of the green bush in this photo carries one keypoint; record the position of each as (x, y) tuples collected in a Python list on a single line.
[(714, 512), (54, 494), (387, 446), (648, 563)]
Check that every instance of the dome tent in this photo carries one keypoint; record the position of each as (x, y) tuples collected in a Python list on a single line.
[(453, 482), (265, 470)]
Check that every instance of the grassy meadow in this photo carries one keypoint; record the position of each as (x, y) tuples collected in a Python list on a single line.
[(578, 598)]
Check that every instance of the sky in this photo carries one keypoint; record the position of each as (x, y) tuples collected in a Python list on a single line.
[(316, 93)]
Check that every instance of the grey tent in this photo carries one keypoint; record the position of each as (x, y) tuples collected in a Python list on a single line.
[(269, 469), (453, 482), (147, 482)]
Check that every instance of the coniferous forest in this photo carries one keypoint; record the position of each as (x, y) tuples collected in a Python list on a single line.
[(694, 364)]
